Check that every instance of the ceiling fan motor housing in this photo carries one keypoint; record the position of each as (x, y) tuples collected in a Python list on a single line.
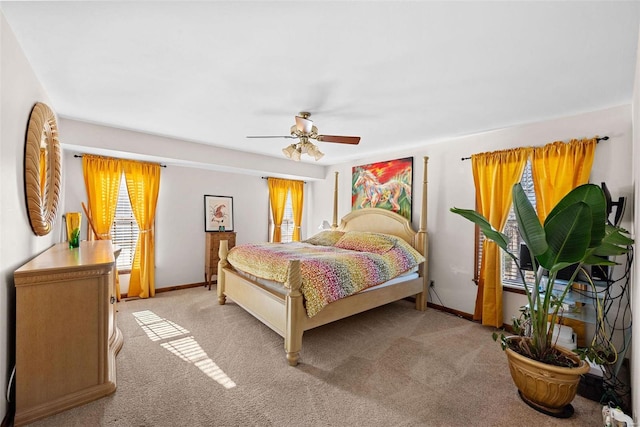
[(303, 124), (310, 131)]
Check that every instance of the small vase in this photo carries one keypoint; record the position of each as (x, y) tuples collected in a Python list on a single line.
[(74, 219)]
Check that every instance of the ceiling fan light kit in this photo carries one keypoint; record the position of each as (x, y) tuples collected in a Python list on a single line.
[(295, 151), (305, 130), (312, 150)]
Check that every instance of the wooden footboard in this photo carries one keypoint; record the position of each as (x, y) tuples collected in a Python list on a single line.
[(285, 314)]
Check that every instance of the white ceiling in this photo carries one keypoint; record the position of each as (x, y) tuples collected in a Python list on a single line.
[(398, 74)]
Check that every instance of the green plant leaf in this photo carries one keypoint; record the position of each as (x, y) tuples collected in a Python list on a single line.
[(490, 232), (591, 259), (559, 266), (528, 223), (593, 196), (567, 236), (606, 249), (614, 243), (614, 235)]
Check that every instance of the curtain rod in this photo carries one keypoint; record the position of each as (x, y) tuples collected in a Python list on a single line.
[(79, 156), (604, 138), (267, 177)]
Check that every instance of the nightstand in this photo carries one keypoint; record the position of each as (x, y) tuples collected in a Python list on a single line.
[(211, 258)]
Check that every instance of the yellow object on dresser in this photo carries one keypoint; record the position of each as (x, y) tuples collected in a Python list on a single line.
[(66, 333)]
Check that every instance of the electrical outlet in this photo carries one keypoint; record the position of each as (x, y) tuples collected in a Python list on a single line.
[(432, 284)]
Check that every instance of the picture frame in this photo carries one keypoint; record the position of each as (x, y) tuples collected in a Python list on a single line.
[(384, 185), (218, 213)]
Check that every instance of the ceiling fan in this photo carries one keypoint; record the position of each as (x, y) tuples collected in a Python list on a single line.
[(304, 130)]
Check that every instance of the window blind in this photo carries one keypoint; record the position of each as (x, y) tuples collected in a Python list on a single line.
[(124, 230), (287, 221)]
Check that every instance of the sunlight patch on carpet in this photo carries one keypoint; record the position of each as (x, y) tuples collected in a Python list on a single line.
[(189, 350), (186, 348), (156, 327)]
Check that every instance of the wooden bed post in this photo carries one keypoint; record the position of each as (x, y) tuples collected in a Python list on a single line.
[(222, 254), (423, 242), (295, 313), (334, 224)]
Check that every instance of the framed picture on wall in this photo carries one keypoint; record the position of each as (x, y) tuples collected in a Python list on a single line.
[(385, 185), (218, 213)]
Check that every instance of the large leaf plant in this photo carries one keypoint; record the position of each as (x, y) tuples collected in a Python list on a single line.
[(575, 232)]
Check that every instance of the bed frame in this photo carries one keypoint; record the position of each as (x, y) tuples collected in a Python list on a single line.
[(285, 312)]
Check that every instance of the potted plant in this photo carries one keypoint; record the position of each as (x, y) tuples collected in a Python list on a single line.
[(575, 232)]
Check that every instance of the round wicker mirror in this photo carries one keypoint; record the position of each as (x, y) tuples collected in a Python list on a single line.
[(42, 169)]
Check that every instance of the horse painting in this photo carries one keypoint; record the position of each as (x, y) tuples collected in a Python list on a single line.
[(393, 193)]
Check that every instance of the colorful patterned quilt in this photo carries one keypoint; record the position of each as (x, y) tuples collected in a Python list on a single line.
[(328, 272)]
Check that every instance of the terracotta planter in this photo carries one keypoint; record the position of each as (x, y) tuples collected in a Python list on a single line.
[(546, 388)]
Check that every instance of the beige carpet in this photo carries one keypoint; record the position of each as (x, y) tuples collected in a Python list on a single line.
[(186, 361)]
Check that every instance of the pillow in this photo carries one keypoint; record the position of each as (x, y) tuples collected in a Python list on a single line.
[(325, 238), (409, 251), (364, 241)]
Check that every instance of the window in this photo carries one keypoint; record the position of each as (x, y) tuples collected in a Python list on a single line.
[(287, 222), (124, 230), (510, 275), (287, 210)]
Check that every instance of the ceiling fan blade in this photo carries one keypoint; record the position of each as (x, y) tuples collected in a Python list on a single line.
[(273, 136), (339, 139)]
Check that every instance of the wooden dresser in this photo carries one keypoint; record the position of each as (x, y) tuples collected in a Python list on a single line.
[(211, 257), (66, 332)]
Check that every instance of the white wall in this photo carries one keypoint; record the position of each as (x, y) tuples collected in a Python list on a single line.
[(635, 294), (19, 90), (451, 184)]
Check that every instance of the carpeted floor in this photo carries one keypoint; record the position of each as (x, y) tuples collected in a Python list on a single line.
[(186, 361)]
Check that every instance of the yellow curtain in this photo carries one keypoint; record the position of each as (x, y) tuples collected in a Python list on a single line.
[(143, 185), (559, 167), (297, 200), (102, 182), (494, 175), (278, 189)]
